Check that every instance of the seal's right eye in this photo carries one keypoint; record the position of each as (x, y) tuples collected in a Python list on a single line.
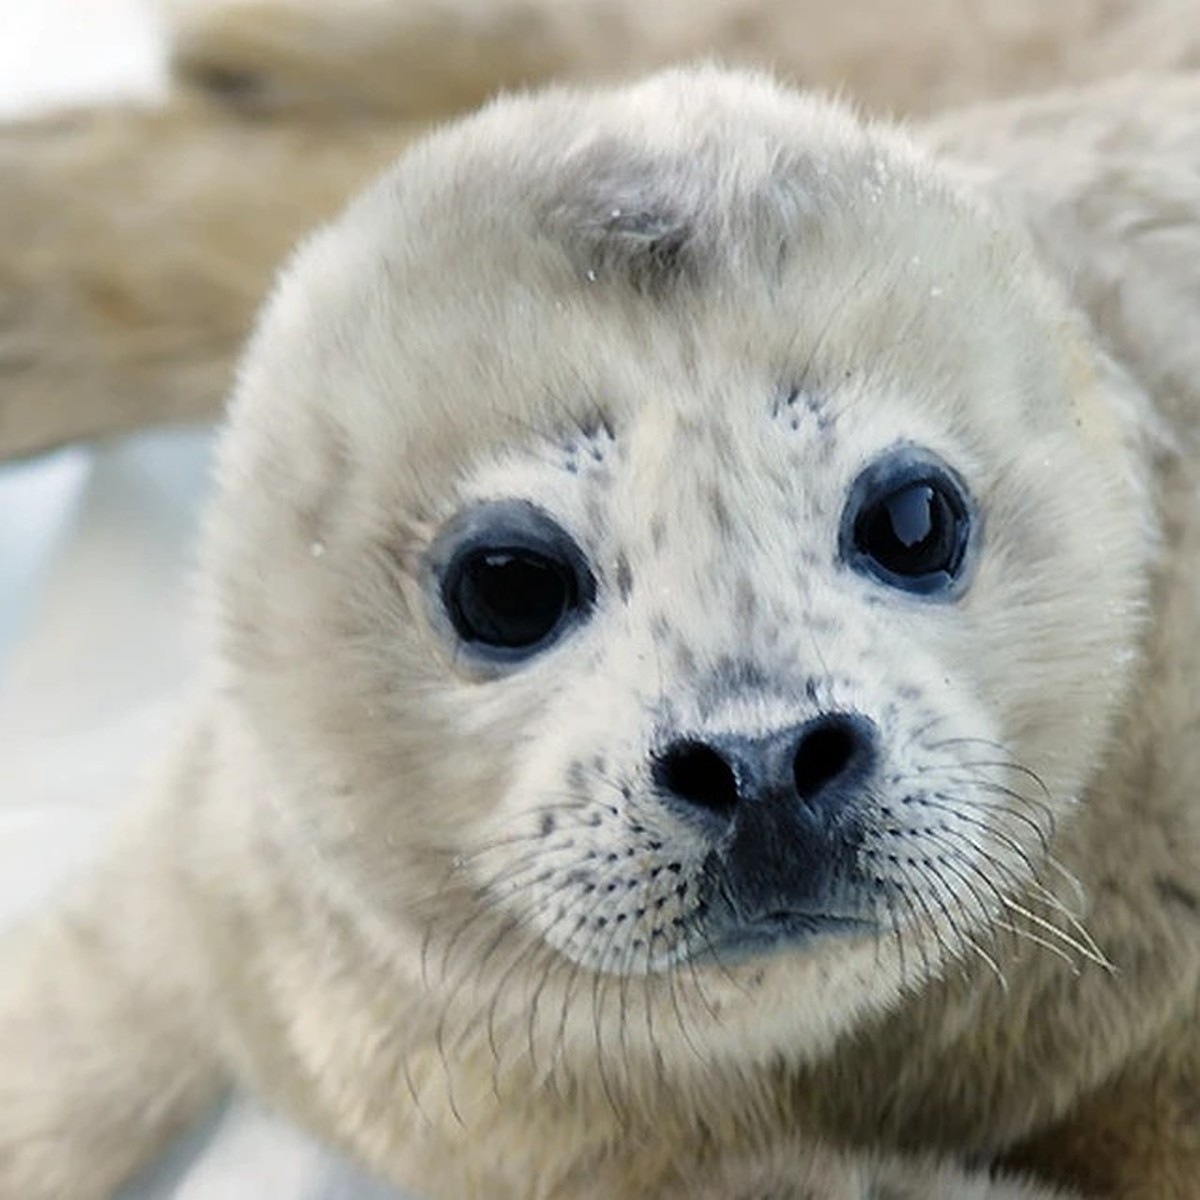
[(510, 580)]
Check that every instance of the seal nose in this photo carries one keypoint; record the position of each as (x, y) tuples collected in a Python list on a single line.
[(816, 764)]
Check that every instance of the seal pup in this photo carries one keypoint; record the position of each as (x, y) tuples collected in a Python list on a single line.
[(685, 658)]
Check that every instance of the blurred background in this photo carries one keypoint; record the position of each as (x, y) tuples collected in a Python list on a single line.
[(95, 543), (96, 640)]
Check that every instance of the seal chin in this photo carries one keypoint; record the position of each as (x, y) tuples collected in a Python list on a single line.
[(752, 936)]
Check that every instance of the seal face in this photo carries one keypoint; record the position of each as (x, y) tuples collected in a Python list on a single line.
[(714, 513)]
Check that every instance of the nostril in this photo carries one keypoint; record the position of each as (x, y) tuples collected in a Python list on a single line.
[(697, 773), (826, 751)]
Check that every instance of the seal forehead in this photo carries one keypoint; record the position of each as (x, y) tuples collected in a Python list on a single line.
[(582, 250), (677, 179), (622, 212)]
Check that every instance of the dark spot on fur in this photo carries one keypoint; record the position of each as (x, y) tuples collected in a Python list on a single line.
[(785, 399), (720, 511), (548, 824), (745, 601), (596, 429), (685, 660), (737, 675), (624, 578), (617, 210), (658, 531), (1170, 891)]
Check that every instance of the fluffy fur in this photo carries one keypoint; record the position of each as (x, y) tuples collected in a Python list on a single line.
[(444, 920)]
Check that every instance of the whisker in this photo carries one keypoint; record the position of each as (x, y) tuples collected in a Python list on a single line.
[(905, 896), (1037, 940), (1038, 890), (1044, 836), (946, 955), (672, 978), (1085, 946), (600, 981), (943, 802)]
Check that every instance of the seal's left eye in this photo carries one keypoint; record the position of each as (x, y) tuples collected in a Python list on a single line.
[(509, 596), (510, 581), (908, 523)]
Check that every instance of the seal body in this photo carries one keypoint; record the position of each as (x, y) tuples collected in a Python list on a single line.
[(701, 674)]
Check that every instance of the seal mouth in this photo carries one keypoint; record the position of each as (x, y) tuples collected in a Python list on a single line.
[(778, 930)]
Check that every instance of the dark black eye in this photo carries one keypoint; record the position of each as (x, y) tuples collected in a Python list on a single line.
[(509, 596), (911, 532), (908, 523), (510, 580)]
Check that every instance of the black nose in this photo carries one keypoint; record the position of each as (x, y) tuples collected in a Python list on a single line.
[(817, 764)]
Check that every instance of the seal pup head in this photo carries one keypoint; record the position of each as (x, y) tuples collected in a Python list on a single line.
[(676, 565)]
